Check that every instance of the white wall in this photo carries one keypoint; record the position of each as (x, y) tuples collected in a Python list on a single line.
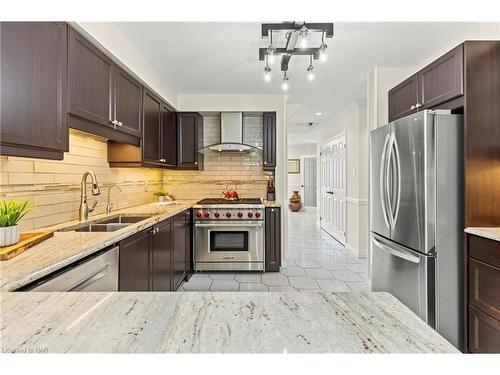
[(296, 151), (352, 121), (113, 40), (250, 103)]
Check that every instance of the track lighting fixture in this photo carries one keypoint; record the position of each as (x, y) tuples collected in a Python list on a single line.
[(270, 50), (310, 69), (284, 82), (303, 35)]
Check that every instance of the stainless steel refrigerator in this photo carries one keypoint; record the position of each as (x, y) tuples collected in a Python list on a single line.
[(417, 216)]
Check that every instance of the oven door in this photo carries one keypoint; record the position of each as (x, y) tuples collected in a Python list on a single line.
[(218, 242)]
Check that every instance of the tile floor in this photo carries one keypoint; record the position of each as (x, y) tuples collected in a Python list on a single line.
[(314, 261)]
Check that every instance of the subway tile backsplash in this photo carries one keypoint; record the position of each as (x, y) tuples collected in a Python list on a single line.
[(53, 187)]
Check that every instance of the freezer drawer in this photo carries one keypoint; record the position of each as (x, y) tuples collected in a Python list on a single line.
[(406, 274)]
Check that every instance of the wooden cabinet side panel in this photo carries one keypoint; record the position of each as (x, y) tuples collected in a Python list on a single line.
[(482, 133), (161, 267), (269, 141), (272, 239), (179, 251)]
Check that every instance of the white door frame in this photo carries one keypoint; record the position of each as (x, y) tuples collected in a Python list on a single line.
[(339, 235), (302, 157)]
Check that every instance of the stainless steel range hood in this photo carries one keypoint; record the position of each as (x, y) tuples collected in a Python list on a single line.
[(231, 135)]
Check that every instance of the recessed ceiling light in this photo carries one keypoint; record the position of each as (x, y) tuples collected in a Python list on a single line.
[(319, 113)]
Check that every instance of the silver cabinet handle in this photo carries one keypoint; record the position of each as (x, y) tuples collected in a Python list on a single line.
[(163, 160), (412, 107), (196, 162), (265, 162), (418, 105), (399, 254), (120, 123)]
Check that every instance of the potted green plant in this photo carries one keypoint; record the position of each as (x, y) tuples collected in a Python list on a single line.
[(161, 195), (10, 213)]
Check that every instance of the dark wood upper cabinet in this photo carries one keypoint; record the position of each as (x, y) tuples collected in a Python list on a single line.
[(161, 267), (269, 141), (128, 103), (90, 81), (273, 239), (443, 79), (404, 98), (151, 140), (103, 99), (189, 137), (33, 72), (169, 136), (135, 262)]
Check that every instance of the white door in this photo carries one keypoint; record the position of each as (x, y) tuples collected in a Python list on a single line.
[(308, 180), (333, 187)]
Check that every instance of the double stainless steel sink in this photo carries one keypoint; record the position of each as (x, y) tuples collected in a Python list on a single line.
[(107, 224)]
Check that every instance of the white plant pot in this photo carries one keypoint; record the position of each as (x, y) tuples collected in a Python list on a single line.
[(161, 198), (9, 235)]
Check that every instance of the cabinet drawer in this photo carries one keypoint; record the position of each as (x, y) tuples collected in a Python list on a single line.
[(484, 287), (484, 332), (484, 249)]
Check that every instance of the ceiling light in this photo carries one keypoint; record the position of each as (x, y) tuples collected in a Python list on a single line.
[(303, 34), (310, 69), (271, 50), (267, 71), (322, 48), (284, 82), (318, 113)]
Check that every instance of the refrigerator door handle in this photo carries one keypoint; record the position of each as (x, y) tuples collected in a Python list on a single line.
[(398, 191), (399, 254), (387, 189), (382, 175)]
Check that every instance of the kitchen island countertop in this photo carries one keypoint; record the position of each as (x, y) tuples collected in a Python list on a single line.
[(492, 233), (205, 322)]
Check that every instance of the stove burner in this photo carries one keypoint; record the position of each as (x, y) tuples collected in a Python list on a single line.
[(226, 201)]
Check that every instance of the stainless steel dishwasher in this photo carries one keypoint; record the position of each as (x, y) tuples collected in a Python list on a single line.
[(95, 274)]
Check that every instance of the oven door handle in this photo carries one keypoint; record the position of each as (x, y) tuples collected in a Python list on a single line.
[(259, 225)]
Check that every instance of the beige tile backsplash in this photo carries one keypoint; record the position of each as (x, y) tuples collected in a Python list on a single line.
[(53, 187)]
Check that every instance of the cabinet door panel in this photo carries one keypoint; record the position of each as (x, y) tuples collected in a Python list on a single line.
[(269, 141), (273, 239), (179, 253), (135, 262), (151, 149), (90, 81), (484, 287), (169, 137), (128, 101), (162, 257), (403, 97), (188, 128), (484, 332), (443, 79), (33, 85)]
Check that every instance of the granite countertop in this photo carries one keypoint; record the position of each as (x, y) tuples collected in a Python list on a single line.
[(67, 247), (271, 203), (493, 233), (204, 322)]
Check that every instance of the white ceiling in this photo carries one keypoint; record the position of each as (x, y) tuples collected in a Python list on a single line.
[(222, 58)]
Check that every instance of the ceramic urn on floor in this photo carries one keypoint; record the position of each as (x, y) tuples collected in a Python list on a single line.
[(295, 202)]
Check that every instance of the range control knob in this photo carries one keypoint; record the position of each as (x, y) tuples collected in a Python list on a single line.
[(228, 214), (250, 215), (257, 215), (206, 214), (199, 214), (240, 215), (217, 215)]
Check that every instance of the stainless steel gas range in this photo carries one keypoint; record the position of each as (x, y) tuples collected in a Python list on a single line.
[(229, 235)]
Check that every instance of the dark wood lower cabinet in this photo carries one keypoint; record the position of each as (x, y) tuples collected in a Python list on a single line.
[(156, 259), (161, 260), (135, 262), (483, 295), (273, 239)]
